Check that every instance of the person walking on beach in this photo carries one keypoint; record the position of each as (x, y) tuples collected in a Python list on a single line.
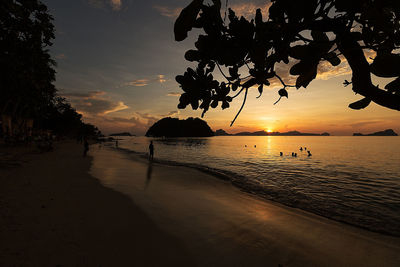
[(151, 149), (85, 146)]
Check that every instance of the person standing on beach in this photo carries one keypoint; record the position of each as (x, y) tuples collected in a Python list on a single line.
[(151, 149), (85, 146)]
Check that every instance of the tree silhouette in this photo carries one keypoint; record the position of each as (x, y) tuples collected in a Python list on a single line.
[(27, 71), (26, 67), (307, 32)]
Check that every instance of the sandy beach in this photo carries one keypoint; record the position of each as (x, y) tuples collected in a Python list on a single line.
[(53, 213), (117, 209)]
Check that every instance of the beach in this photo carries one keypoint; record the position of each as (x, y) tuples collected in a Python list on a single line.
[(53, 213), (118, 209)]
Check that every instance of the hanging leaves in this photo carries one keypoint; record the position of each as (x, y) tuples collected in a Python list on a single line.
[(246, 52), (386, 65), (186, 20), (394, 86)]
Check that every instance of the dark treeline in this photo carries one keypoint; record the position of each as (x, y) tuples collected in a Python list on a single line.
[(29, 102)]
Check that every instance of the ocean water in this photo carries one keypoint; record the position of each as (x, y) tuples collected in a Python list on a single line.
[(350, 179)]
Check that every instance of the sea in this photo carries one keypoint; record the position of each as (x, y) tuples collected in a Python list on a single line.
[(352, 179)]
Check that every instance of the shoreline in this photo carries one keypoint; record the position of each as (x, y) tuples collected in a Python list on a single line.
[(243, 183), (234, 228)]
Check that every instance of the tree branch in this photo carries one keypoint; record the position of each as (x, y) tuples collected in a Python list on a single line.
[(361, 79), (240, 110)]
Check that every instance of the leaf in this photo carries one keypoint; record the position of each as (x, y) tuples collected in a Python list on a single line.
[(214, 104), (393, 86), (299, 51), (186, 19), (360, 104), (319, 36), (306, 77), (346, 83), (260, 90), (235, 86), (194, 103), (386, 65), (250, 83), (283, 92), (258, 17), (192, 55), (225, 105), (298, 68), (332, 58), (233, 72)]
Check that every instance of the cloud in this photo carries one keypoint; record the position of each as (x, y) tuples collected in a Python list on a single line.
[(114, 4), (138, 82), (172, 113), (146, 81), (91, 94), (137, 123), (161, 78), (170, 12), (248, 10), (94, 103), (61, 56), (174, 94)]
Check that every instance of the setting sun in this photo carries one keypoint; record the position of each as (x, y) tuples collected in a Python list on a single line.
[(269, 130)]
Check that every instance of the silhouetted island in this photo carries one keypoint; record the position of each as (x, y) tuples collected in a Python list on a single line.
[(291, 133), (173, 127), (122, 134), (388, 132), (221, 132)]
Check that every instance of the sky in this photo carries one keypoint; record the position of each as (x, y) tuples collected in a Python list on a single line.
[(117, 61)]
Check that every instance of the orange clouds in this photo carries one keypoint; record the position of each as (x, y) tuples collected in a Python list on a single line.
[(94, 103), (116, 4), (248, 10), (170, 12), (146, 81)]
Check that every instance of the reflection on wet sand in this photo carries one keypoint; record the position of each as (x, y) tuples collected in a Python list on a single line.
[(148, 176)]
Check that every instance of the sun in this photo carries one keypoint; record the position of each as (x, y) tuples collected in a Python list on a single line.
[(269, 130)]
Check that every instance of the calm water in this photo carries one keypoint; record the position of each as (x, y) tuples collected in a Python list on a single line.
[(350, 179)]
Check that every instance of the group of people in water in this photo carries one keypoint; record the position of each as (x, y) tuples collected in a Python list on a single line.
[(294, 154)]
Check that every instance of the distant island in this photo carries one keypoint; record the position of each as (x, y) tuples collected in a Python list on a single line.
[(122, 134), (388, 132), (173, 127), (221, 132)]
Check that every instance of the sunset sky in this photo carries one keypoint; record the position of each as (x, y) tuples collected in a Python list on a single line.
[(117, 61)]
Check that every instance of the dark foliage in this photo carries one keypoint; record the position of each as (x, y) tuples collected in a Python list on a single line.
[(173, 127), (27, 72), (62, 119), (305, 32)]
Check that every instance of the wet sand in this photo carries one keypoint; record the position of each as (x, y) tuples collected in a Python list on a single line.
[(54, 213), (220, 225)]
